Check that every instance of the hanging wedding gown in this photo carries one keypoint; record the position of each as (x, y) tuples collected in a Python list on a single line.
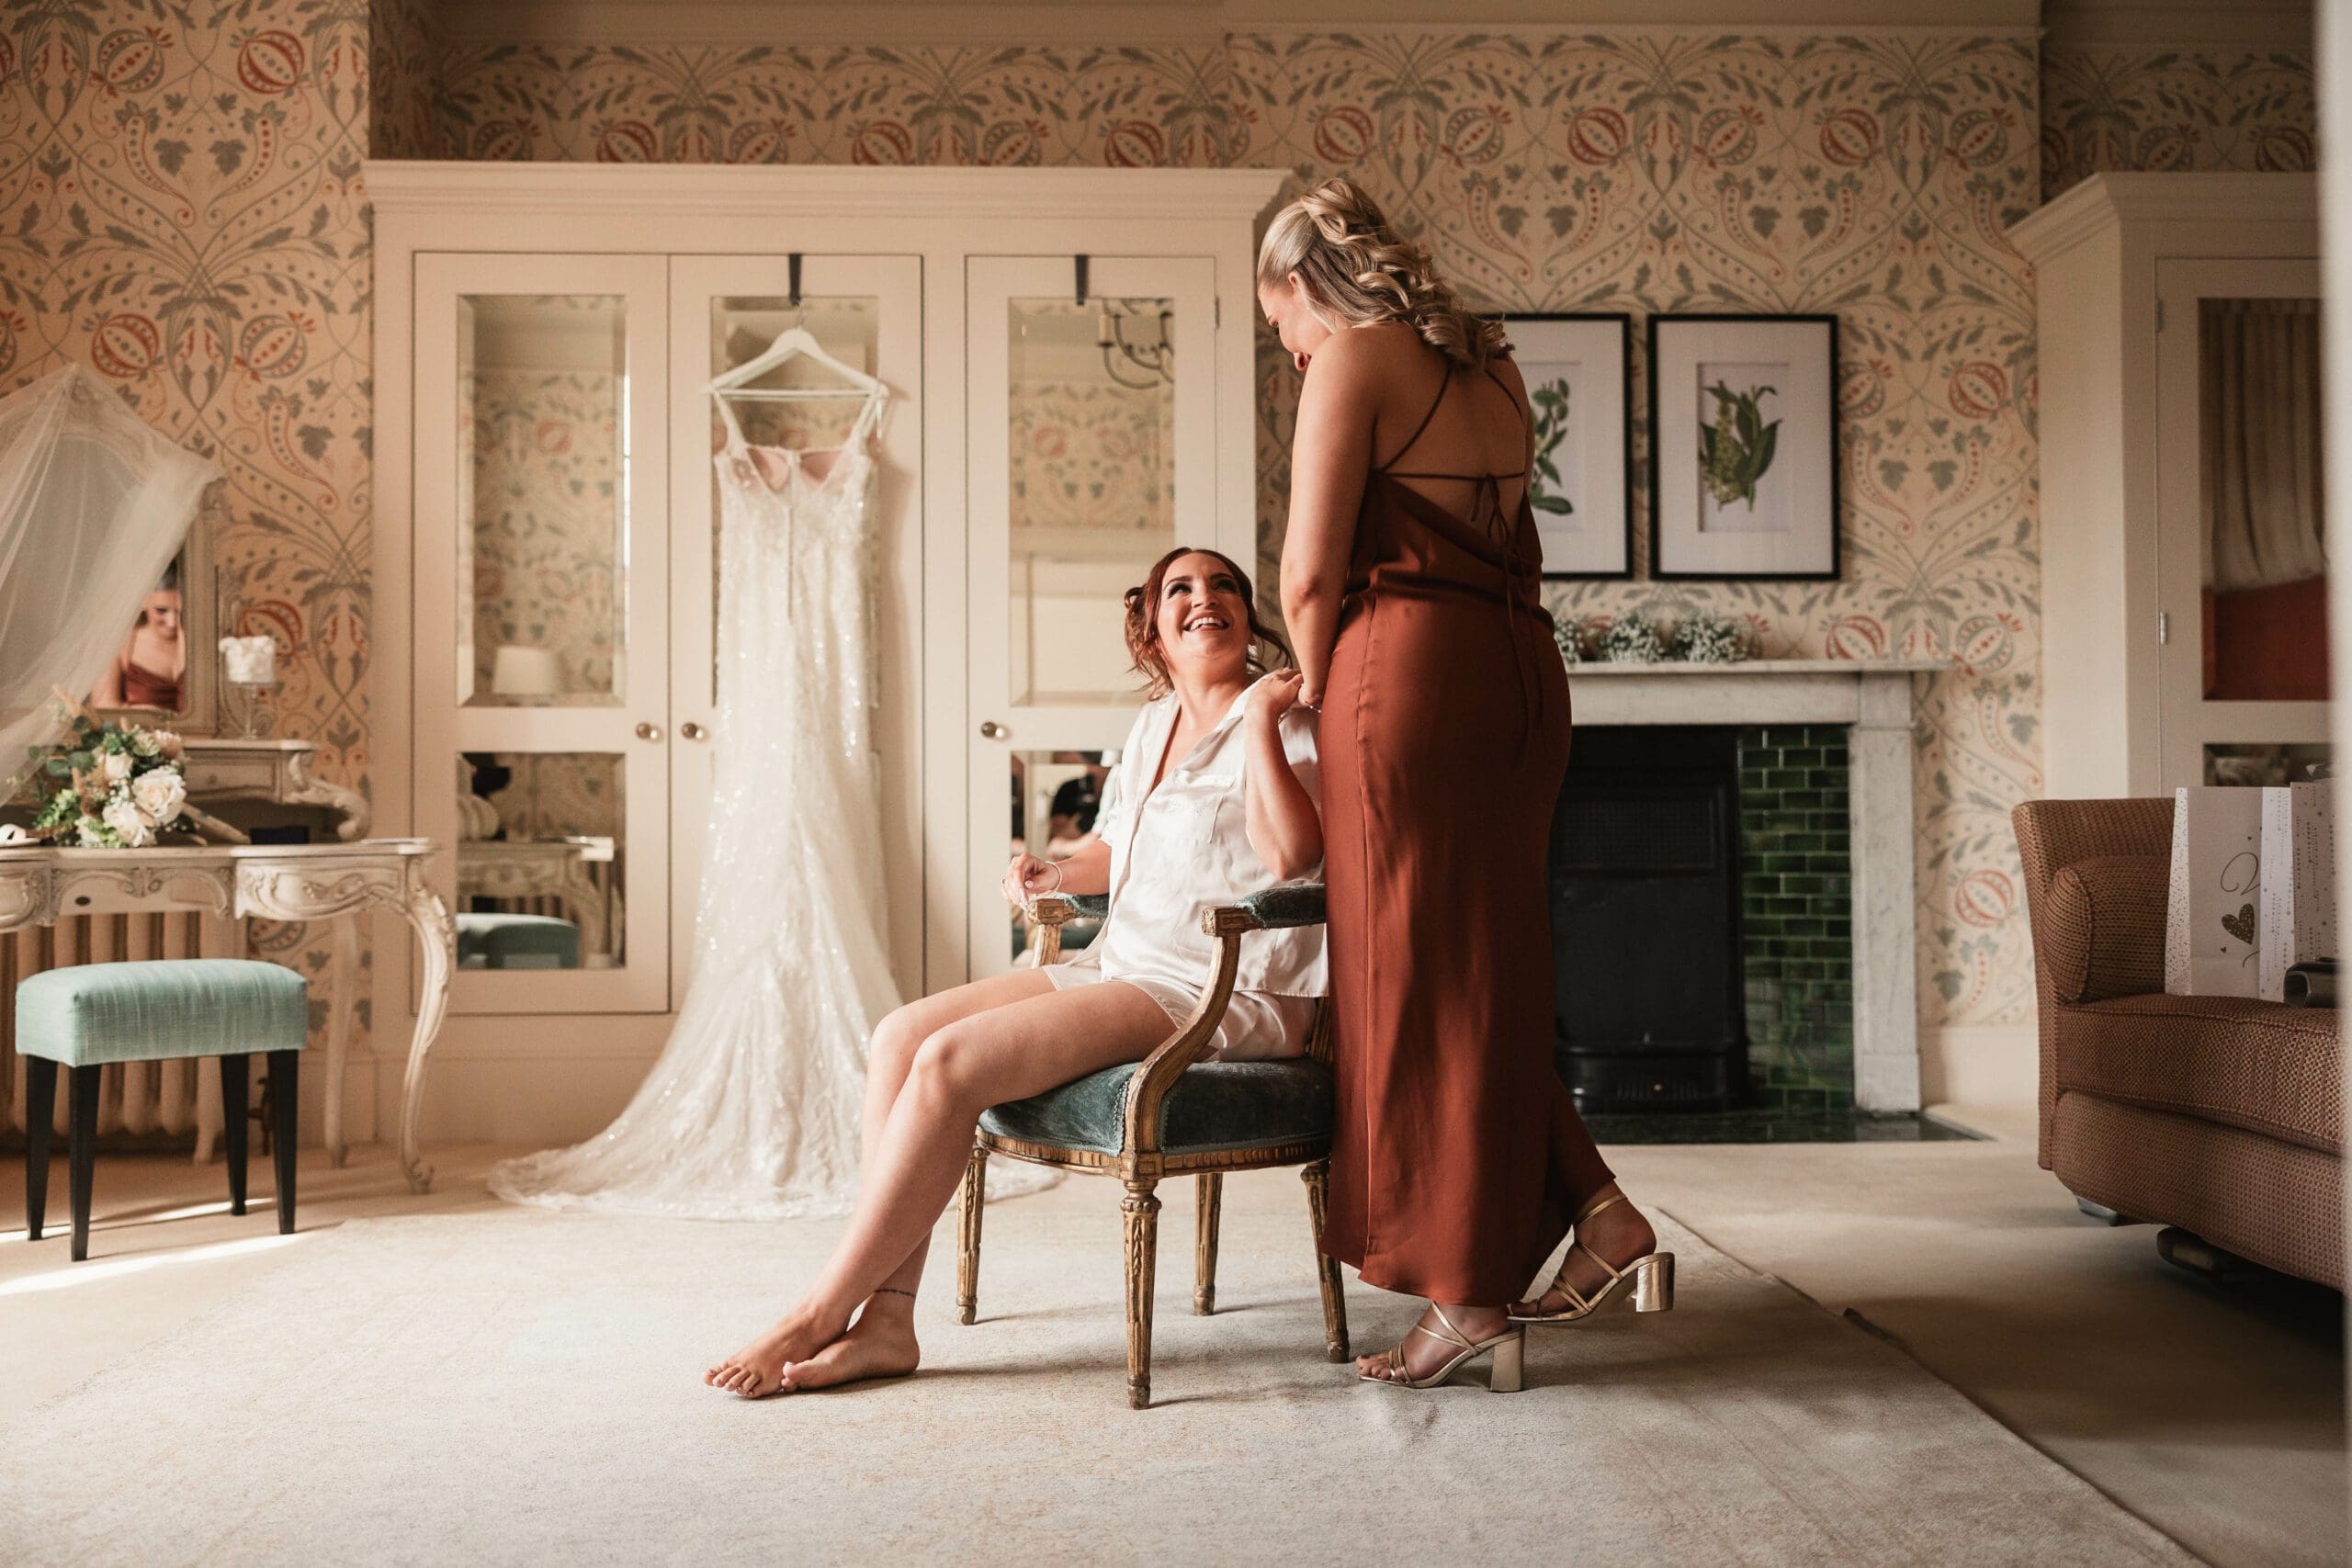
[(752, 1110)]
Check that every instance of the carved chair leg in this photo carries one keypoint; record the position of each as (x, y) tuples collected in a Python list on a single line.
[(1141, 1209), (968, 1234), (1212, 1193), (1326, 1267)]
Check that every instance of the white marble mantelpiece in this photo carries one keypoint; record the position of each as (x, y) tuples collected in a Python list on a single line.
[(1873, 700)]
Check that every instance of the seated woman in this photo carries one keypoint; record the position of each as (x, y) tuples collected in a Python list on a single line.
[(1215, 800)]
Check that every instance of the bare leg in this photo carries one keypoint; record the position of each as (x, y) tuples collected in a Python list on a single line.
[(1007, 1052), (889, 1058)]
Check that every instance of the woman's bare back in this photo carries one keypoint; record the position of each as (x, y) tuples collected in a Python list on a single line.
[(1478, 427)]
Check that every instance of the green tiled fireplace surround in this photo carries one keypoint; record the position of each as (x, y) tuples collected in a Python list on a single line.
[(1796, 941)]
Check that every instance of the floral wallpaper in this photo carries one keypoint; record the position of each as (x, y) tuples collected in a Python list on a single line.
[(1871, 175), (544, 462), (1088, 456), (180, 191), (403, 119), (2108, 107), (180, 201)]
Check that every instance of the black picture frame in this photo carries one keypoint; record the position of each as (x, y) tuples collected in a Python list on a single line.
[(1666, 536), (1622, 449)]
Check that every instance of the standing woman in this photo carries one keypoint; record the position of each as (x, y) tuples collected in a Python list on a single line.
[(1408, 579)]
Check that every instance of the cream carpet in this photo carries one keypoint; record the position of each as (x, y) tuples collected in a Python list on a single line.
[(520, 1387)]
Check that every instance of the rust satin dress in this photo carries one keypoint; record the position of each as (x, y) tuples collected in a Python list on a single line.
[(1458, 1157)]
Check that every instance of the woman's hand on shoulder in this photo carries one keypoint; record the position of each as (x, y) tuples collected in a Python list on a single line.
[(1277, 694)]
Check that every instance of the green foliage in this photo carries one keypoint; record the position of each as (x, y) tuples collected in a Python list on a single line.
[(1736, 450), (1550, 404)]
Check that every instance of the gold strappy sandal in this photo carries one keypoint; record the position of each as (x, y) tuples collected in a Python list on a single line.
[(1652, 1275), (1506, 1376)]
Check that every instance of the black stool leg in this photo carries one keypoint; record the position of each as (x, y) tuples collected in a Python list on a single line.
[(40, 1108), (285, 1101), (232, 1115), (82, 1146)]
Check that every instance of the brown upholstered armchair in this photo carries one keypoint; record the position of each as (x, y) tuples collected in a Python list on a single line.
[(2220, 1115), (1173, 1113)]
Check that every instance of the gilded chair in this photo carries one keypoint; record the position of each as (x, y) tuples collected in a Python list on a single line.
[(1171, 1114)]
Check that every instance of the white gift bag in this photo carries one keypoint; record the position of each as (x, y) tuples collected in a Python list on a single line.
[(2214, 911), (2297, 924)]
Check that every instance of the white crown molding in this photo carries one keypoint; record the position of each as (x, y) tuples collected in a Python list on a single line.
[(806, 190), (2106, 199), (1080, 24), (2190, 24)]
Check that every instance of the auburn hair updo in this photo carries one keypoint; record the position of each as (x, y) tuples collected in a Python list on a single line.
[(1267, 648), (1357, 270)]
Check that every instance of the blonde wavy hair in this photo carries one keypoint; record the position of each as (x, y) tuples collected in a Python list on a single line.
[(1356, 270)]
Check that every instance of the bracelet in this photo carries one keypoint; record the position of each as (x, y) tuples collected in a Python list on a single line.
[(1057, 866)]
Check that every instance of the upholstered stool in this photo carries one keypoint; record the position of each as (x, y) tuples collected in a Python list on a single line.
[(517, 942), (94, 1015)]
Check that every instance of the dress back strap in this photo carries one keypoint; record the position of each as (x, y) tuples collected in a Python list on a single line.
[(1444, 381)]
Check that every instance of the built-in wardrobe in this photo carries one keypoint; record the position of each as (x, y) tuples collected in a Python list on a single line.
[(1070, 359)]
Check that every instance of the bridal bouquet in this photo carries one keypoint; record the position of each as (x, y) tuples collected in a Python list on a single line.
[(111, 786)]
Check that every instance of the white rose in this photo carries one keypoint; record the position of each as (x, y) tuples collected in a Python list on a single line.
[(145, 743), (160, 793), (125, 819), (115, 766)]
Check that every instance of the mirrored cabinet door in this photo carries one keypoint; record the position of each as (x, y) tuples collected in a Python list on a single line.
[(1092, 451), (542, 643), (2241, 538)]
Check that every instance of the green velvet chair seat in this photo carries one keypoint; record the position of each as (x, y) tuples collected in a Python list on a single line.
[(1214, 1107), (518, 941), (96, 1014)]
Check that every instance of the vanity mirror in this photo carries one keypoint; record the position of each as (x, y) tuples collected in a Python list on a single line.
[(164, 672)]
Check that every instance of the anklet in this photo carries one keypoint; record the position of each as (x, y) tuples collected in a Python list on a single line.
[(893, 1291)]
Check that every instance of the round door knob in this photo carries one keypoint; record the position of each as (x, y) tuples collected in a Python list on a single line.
[(694, 732), (649, 731), (994, 731)]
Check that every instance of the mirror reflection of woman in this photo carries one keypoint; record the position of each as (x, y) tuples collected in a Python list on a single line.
[(1409, 581), (1215, 800), (148, 669)]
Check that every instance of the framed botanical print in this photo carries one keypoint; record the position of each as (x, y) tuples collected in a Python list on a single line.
[(1580, 378), (1744, 446)]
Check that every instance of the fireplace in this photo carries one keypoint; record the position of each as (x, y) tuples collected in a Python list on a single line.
[(1701, 918), (1645, 921)]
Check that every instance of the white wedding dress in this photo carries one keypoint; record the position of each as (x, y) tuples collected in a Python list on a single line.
[(752, 1110)]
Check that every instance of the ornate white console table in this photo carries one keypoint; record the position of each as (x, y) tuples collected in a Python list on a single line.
[(1873, 699), (40, 886)]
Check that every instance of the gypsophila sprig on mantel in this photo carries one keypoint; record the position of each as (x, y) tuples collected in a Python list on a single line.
[(1568, 631), (1633, 638), (1705, 638)]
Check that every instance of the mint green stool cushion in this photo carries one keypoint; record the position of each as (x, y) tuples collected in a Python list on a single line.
[(94, 1014)]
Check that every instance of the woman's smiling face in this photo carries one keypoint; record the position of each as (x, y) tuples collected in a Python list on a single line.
[(1287, 311), (1204, 624)]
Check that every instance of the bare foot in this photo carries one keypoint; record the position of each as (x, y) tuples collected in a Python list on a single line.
[(880, 1344), (1425, 1353), (1620, 1234), (756, 1370)]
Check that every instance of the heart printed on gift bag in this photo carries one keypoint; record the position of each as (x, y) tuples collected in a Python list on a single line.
[(2240, 925)]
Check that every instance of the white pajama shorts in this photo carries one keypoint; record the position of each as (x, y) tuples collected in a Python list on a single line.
[(1258, 1026)]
